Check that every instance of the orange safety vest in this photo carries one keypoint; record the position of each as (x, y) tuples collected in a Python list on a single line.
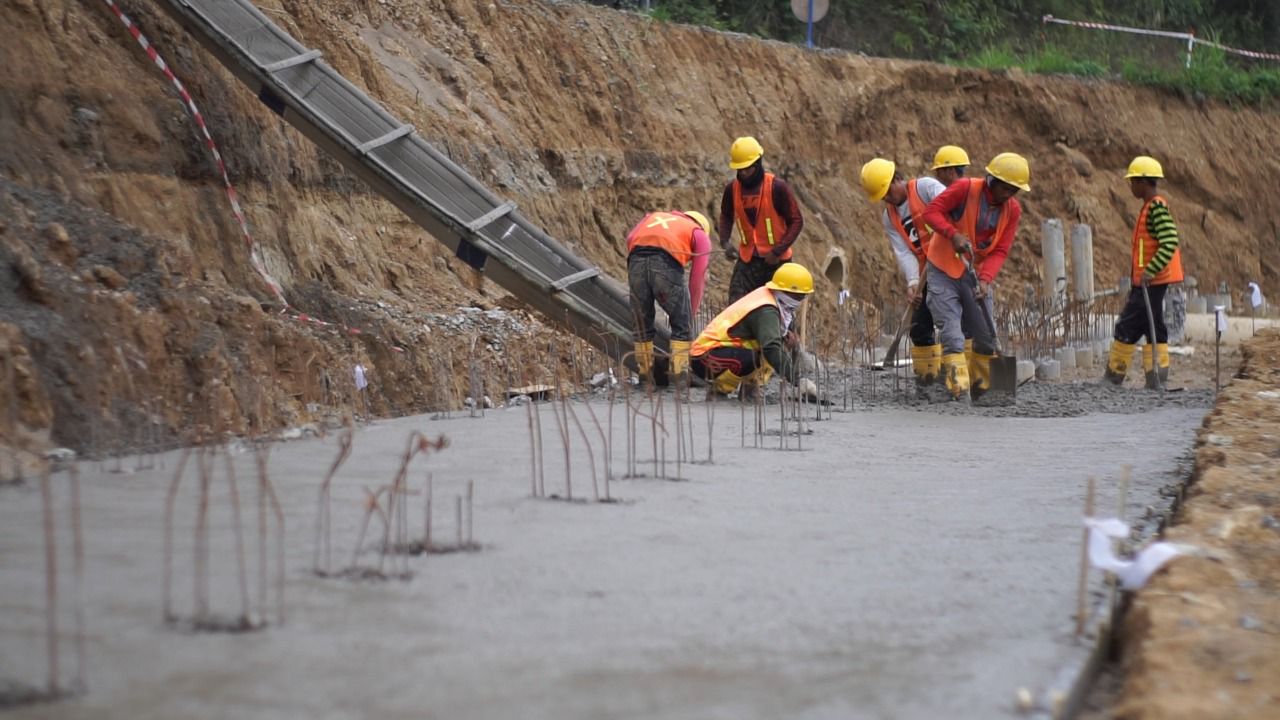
[(1144, 248), (769, 225), (940, 251), (667, 231), (916, 207), (716, 334)]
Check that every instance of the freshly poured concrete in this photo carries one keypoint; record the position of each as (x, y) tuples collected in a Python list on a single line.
[(905, 564)]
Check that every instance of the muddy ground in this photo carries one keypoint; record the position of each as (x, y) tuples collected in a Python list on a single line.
[(890, 569), (1201, 641)]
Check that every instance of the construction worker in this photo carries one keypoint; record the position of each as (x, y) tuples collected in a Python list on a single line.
[(1156, 264), (766, 214), (949, 164), (750, 339), (659, 248), (903, 219), (974, 222)]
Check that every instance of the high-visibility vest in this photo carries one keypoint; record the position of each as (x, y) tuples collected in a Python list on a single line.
[(769, 227), (667, 231), (716, 334), (1144, 247), (915, 206), (940, 251)]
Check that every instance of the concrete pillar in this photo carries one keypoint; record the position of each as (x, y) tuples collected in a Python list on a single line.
[(1048, 369), (1053, 252), (1084, 356), (1082, 261), (1066, 357), (1026, 370), (1175, 313)]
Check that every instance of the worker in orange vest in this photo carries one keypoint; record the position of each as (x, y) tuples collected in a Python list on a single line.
[(974, 222), (766, 214), (750, 339), (1156, 264), (659, 248), (903, 219)]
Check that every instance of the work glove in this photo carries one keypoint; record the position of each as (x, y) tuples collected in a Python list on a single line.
[(960, 242), (775, 256), (730, 252)]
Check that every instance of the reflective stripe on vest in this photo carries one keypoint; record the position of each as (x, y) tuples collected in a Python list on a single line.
[(769, 225), (716, 334), (1144, 248), (915, 206), (940, 250), (666, 231)]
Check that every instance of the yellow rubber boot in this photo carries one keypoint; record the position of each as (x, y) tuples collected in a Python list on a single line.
[(1118, 362), (1149, 367), (644, 358), (727, 382), (956, 373), (680, 357), (923, 364), (935, 360), (1162, 362), (968, 355), (979, 374)]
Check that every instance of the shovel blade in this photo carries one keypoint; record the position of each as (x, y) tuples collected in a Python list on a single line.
[(1004, 383)]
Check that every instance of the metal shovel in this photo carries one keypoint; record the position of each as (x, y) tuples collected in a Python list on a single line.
[(1004, 368), (1151, 339)]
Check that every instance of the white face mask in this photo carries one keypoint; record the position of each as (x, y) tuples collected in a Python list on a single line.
[(787, 305)]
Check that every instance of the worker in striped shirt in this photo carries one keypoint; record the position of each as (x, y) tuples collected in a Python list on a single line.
[(1156, 264)]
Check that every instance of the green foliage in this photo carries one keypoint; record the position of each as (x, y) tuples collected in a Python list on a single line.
[(1000, 34)]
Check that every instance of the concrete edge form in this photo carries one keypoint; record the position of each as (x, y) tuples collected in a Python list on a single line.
[(452, 206)]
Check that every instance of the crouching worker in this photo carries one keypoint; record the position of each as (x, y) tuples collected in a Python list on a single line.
[(1156, 264), (750, 340), (659, 248)]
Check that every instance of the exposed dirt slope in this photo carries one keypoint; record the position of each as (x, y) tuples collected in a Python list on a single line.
[(1200, 641), (586, 117)]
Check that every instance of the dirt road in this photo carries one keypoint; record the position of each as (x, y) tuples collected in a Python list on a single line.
[(856, 578)]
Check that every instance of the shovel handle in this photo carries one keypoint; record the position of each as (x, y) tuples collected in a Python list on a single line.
[(982, 303), (1151, 338)]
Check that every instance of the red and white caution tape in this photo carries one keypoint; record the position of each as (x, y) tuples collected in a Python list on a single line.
[(1189, 37), (255, 255)]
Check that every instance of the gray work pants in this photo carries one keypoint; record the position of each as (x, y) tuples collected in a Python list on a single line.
[(655, 276), (956, 313)]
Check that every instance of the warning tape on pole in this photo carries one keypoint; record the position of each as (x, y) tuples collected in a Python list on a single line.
[(1187, 36), (255, 255)]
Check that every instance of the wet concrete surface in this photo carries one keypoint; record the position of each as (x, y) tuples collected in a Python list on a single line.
[(903, 565), (876, 389)]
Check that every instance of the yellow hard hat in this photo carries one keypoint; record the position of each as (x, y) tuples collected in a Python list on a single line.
[(744, 152), (1145, 167), (950, 156), (1011, 168), (877, 176), (699, 218), (791, 277)]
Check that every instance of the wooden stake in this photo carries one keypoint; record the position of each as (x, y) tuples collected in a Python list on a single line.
[(1083, 589), (50, 578), (241, 565), (167, 588), (471, 492), (77, 570)]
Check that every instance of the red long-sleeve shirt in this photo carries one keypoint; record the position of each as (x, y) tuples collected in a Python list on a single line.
[(784, 201), (945, 210)]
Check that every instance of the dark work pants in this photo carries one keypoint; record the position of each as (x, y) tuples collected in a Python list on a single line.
[(655, 276), (922, 333), (957, 314), (1133, 325), (748, 276), (739, 361)]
